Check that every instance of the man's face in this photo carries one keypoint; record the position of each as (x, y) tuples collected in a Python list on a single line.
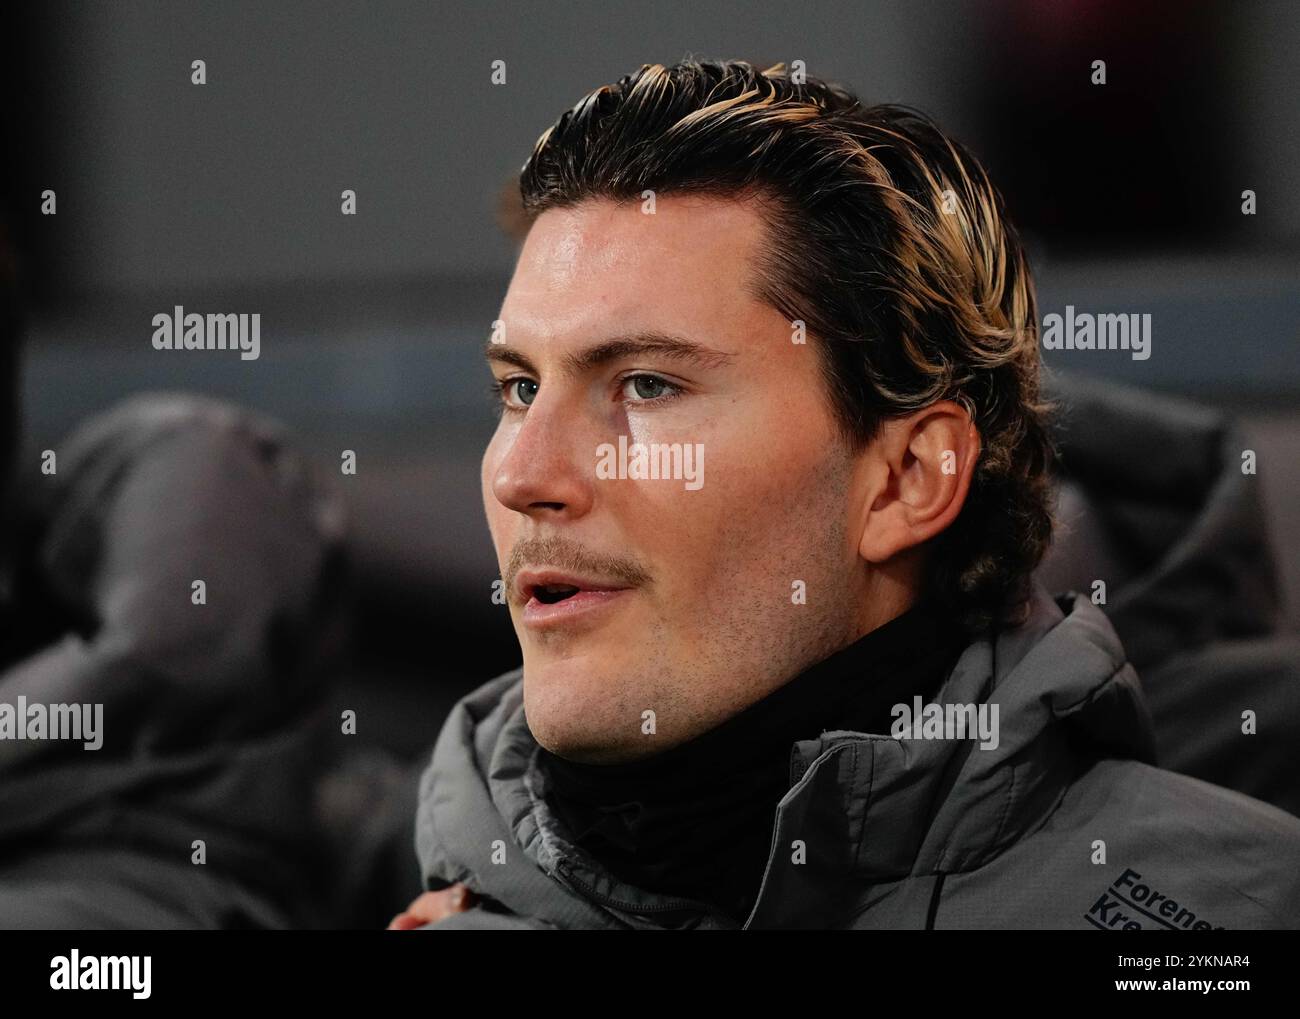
[(688, 602)]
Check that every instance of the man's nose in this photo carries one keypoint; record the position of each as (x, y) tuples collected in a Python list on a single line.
[(549, 468)]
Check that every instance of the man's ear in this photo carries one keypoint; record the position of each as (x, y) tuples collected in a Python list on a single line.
[(919, 472)]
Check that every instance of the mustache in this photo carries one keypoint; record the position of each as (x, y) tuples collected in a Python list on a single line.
[(564, 554)]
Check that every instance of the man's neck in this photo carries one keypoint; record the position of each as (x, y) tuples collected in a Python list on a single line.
[(696, 820)]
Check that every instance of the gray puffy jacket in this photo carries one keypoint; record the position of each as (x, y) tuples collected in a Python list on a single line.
[(1067, 823)]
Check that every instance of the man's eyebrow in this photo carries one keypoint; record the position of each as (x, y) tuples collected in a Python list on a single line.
[(577, 362)]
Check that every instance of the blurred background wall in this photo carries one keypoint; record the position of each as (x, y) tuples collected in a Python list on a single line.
[(226, 197)]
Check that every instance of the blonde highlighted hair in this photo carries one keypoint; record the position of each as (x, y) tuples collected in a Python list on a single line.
[(887, 240)]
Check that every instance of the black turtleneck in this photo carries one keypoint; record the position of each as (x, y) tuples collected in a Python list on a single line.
[(696, 821)]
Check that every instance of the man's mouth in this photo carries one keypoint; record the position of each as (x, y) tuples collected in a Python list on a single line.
[(549, 594), (552, 597)]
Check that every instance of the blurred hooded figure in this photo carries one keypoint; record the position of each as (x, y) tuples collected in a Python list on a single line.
[(197, 808)]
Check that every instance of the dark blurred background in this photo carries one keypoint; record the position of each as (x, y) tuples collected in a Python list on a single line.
[(226, 197)]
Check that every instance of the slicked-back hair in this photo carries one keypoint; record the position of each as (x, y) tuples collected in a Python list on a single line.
[(886, 239)]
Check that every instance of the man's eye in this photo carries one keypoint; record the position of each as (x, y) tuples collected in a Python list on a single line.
[(650, 387), (524, 390)]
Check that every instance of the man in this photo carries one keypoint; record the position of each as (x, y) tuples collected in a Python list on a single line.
[(769, 485)]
